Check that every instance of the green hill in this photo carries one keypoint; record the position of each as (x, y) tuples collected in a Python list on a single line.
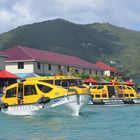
[(90, 42)]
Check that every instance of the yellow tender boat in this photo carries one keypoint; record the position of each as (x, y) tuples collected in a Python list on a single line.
[(37, 95), (114, 94)]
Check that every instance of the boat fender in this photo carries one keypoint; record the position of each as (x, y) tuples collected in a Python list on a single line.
[(44, 100), (3, 105)]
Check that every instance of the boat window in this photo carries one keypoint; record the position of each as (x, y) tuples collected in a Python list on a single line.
[(58, 82), (131, 95), (71, 90), (80, 82), (11, 93), (65, 84), (47, 81), (104, 95), (94, 87), (129, 88), (81, 86), (100, 87), (124, 87), (119, 87), (29, 90), (120, 95), (126, 95), (97, 95), (92, 95), (72, 82), (43, 88)]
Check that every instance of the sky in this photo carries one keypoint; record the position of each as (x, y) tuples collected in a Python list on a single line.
[(122, 13)]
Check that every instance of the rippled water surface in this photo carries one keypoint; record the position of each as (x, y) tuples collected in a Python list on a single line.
[(94, 123)]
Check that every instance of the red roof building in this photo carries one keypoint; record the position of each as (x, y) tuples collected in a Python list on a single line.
[(108, 70), (24, 53), (28, 60)]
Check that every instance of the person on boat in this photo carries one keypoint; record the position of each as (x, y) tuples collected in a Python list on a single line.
[(90, 85), (4, 89), (20, 98), (113, 96)]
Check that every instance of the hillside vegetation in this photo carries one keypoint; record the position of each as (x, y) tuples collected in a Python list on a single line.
[(91, 42)]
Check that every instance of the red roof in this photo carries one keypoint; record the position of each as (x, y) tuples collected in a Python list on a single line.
[(2, 53), (23, 53), (6, 74), (104, 66)]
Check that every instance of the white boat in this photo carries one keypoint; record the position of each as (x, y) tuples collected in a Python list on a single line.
[(71, 105), (18, 101)]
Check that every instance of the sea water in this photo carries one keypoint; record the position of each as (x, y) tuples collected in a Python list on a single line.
[(94, 123)]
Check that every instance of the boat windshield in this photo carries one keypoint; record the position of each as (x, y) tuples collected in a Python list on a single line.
[(47, 81), (69, 82)]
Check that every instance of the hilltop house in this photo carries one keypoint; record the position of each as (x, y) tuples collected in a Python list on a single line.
[(108, 70), (23, 60)]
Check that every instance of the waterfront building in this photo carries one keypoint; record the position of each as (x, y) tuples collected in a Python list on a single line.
[(108, 70), (24, 60)]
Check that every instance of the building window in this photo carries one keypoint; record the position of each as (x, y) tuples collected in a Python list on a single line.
[(20, 65), (49, 67), (97, 95), (83, 71), (59, 67), (89, 71), (96, 72), (68, 69), (76, 71), (38, 65), (102, 72)]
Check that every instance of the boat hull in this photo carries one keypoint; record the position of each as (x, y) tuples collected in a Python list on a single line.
[(132, 101), (115, 101), (136, 101), (108, 102), (70, 104)]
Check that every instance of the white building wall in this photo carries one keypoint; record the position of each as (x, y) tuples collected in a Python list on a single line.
[(30, 67), (100, 73), (107, 73), (44, 69), (13, 67)]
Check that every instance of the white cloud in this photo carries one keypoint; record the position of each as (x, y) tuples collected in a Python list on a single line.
[(22, 13), (14, 13)]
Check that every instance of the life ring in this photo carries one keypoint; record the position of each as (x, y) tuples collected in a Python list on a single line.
[(104, 91)]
